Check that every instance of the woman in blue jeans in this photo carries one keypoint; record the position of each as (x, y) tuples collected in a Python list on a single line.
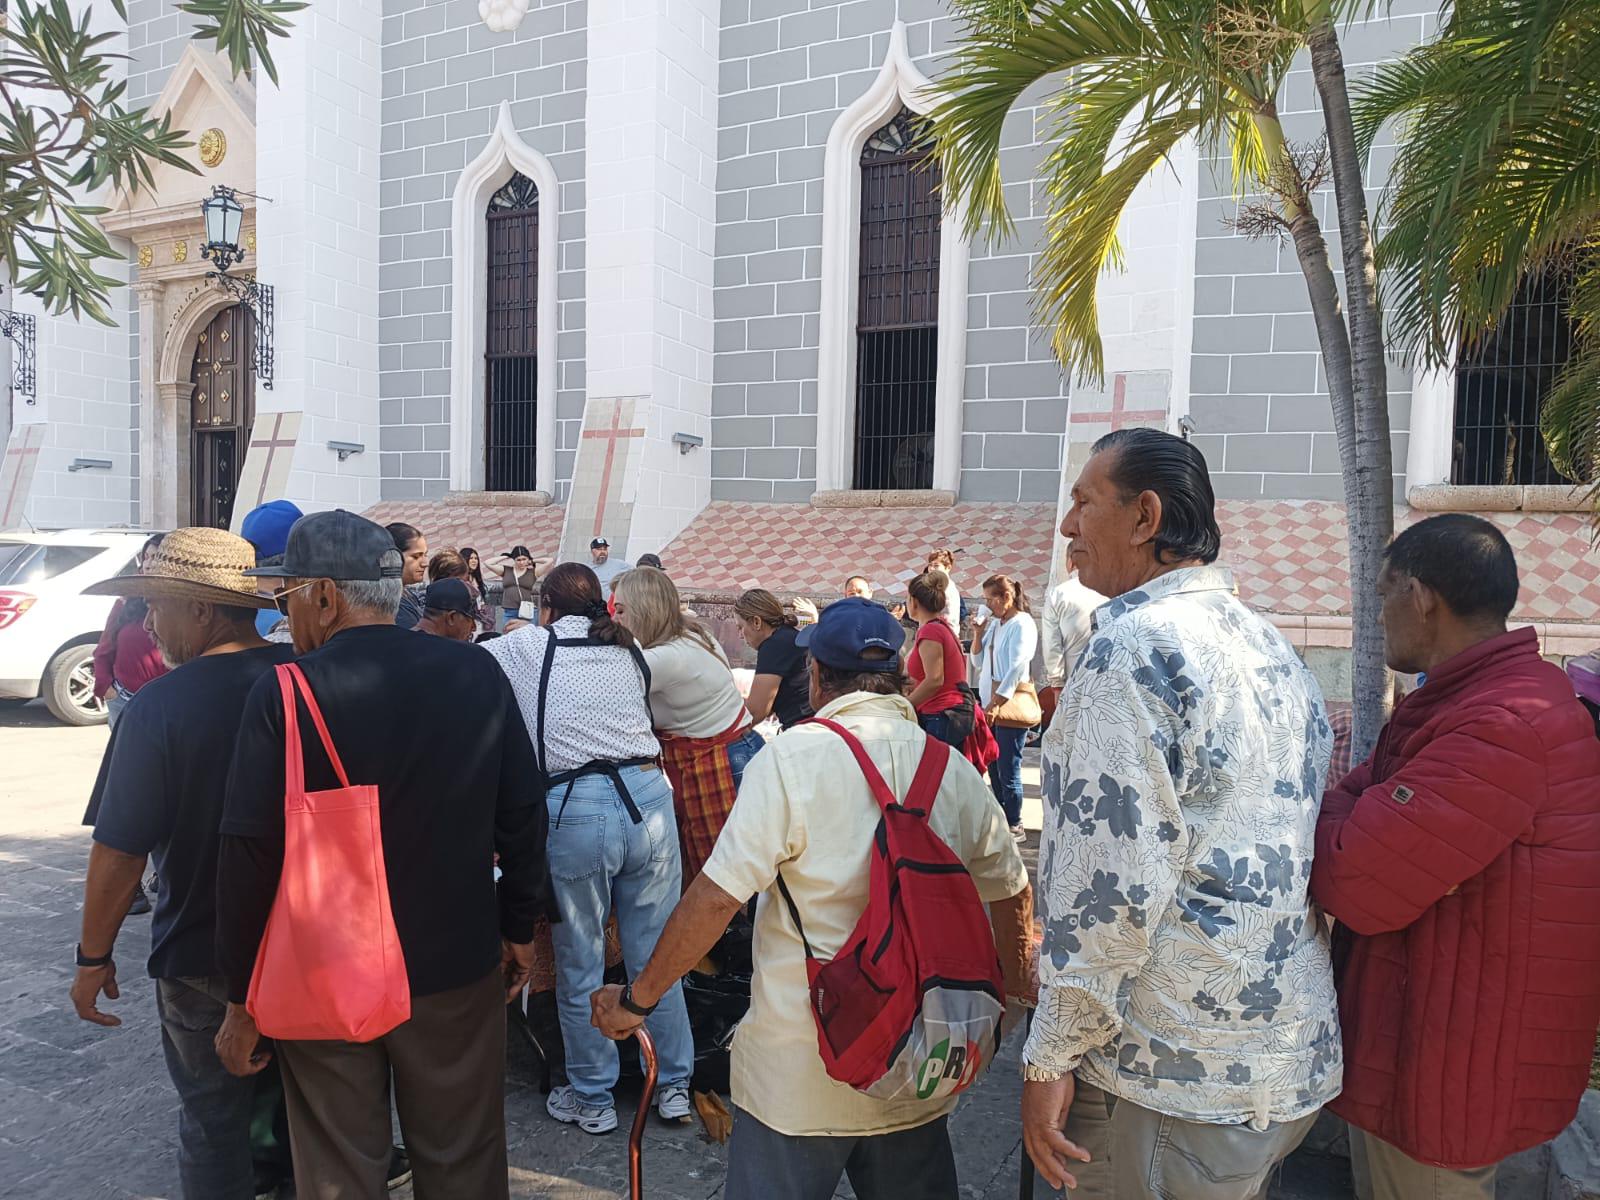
[(1003, 649), (581, 683)]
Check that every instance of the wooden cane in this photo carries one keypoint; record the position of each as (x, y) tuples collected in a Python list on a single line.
[(647, 1053)]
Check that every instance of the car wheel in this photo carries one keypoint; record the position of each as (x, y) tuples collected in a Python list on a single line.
[(68, 687)]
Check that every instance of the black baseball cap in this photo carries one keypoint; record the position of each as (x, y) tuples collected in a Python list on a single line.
[(448, 595), (336, 545), (599, 541), (849, 627)]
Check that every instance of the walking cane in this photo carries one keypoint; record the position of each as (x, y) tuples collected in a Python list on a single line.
[(647, 1053)]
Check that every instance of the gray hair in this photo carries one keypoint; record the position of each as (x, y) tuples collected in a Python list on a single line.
[(378, 596)]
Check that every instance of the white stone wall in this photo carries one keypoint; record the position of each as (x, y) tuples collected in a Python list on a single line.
[(317, 159), (652, 115)]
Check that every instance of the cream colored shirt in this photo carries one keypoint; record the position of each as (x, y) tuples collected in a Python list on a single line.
[(692, 693), (804, 807)]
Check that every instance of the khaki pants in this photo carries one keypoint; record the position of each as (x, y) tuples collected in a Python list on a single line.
[(1384, 1172), (448, 1066), (1140, 1154)]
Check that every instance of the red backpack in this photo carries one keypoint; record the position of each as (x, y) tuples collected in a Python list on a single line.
[(911, 1005)]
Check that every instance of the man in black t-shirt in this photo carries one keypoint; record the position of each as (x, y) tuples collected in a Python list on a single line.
[(160, 794), (391, 699)]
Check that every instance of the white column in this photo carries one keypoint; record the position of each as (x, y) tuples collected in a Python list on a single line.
[(651, 190), (317, 163)]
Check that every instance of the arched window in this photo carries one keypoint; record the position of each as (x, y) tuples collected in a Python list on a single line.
[(511, 358), (897, 314)]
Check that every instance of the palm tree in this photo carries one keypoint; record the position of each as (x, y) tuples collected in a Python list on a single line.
[(1498, 180), (1132, 79)]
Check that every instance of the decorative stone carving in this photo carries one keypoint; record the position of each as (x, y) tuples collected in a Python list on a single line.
[(502, 16), (180, 251), (213, 146), (147, 255)]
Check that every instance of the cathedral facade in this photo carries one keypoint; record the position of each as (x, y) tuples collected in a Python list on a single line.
[(680, 272)]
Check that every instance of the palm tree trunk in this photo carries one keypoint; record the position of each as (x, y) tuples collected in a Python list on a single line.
[(1370, 503)]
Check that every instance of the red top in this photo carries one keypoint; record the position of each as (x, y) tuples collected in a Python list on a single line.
[(955, 665), (125, 654), (1460, 861)]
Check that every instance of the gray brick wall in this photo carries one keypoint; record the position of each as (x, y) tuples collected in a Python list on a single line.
[(157, 35), (787, 73), (444, 77), (1259, 396)]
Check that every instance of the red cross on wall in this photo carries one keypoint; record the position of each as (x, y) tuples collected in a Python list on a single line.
[(271, 446), (610, 435), (1119, 416), (20, 455)]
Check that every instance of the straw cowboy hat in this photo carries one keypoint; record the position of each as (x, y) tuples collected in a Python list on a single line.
[(192, 564)]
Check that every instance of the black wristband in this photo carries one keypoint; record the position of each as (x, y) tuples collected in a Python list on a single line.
[(628, 1003), (83, 960)]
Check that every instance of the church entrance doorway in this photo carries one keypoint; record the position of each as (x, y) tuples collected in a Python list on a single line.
[(222, 409)]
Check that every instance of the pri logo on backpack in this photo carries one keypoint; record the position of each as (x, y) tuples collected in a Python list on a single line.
[(911, 1007)]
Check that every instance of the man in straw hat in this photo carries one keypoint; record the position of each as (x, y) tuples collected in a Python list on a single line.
[(159, 794), (390, 699)]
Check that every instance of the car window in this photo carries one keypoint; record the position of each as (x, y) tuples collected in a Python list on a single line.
[(53, 561), (14, 557)]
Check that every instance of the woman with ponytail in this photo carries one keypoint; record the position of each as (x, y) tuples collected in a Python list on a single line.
[(582, 684), (707, 735), (782, 683)]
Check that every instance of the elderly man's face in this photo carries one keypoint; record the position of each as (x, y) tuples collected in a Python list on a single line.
[(1404, 616), (312, 606), (177, 627), (453, 625), (1111, 545), (857, 586)]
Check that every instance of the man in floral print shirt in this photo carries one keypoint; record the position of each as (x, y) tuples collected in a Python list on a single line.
[(1187, 1032)]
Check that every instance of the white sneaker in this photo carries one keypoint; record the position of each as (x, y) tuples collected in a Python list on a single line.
[(672, 1104), (565, 1106)]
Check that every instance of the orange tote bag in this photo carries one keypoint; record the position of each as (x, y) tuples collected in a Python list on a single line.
[(330, 965)]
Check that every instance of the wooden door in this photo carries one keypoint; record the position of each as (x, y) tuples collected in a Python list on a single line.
[(222, 410)]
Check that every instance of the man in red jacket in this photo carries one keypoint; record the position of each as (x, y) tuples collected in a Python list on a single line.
[(1461, 863)]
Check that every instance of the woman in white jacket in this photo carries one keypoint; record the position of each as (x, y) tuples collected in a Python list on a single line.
[(1003, 649)]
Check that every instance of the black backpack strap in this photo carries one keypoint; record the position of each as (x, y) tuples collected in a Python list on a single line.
[(550, 643), (794, 913), (632, 648)]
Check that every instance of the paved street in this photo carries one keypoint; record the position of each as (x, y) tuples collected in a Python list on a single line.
[(88, 1114)]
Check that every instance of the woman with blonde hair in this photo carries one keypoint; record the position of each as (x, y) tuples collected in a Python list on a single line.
[(782, 682), (706, 734)]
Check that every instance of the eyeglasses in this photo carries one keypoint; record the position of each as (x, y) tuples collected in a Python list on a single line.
[(280, 597)]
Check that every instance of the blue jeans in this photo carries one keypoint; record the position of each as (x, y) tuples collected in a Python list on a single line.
[(740, 753), (937, 725), (600, 858), (1005, 773), (214, 1107), (116, 701)]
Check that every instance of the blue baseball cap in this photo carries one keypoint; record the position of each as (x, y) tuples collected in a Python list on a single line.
[(267, 527), (849, 627)]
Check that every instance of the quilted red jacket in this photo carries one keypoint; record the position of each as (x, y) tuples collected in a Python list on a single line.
[(1462, 862)]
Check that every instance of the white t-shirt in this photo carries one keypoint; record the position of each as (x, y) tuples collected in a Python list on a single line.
[(804, 807), (692, 692), (607, 571)]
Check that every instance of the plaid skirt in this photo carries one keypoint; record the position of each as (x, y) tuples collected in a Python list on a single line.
[(703, 790)]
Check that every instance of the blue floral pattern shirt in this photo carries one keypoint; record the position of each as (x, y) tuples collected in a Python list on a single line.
[(1183, 967)]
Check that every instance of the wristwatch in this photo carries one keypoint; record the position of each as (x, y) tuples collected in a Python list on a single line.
[(83, 960), (632, 1006), (1035, 1074)]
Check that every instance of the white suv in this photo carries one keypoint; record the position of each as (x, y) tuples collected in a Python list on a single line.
[(48, 628)]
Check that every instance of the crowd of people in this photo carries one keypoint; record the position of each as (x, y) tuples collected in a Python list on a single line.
[(327, 735)]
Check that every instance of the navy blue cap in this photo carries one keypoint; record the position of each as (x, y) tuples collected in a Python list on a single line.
[(848, 627), (336, 545), (448, 595)]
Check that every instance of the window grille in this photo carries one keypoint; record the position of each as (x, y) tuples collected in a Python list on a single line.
[(1501, 384), (897, 335), (511, 348)]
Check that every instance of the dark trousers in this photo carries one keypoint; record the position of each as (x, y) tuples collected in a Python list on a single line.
[(764, 1164), (937, 725), (214, 1107), (448, 1067), (1005, 773)]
